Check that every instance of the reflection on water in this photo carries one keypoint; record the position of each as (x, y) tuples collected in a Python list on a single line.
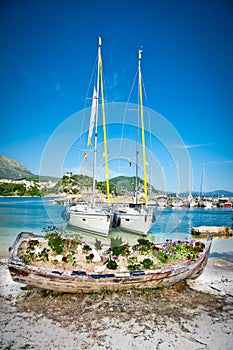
[(34, 214)]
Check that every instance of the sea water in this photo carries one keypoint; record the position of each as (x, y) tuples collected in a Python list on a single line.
[(19, 214), (28, 214)]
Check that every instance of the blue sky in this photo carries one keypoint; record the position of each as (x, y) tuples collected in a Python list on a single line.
[(48, 49)]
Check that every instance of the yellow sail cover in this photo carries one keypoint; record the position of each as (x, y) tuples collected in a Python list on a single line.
[(105, 131), (143, 131)]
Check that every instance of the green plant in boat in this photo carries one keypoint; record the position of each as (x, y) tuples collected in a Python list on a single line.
[(69, 245), (90, 257), (120, 250), (86, 248), (55, 242), (134, 266), (70, 258), (44, 255), (30, 254), (112, 264), (143, 246), (98, 244), (147, 263)]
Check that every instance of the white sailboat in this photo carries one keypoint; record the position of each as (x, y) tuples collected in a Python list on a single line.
[(191, 203), (161, 199), (177, 202), (137, 217), (89, 217), (204, 202)]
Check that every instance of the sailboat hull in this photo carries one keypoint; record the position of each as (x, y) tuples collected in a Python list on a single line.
[(90, 220), (177, 203), (134, 221)]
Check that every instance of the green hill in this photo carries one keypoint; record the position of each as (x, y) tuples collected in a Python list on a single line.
[(126, 185), (12, 170)]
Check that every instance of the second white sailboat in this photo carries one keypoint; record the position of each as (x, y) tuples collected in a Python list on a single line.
[(89, 217), (137, 217)]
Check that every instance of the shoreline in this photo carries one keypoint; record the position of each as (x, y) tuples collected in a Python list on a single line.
[(196, 315)]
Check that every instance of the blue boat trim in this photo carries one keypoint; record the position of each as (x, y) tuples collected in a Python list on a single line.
[(137, 272), (57, 272), (106, 275), (78, 273)]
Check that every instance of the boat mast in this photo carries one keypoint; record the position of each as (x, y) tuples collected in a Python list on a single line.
[(104, 130), (137, 154), (96, 124), (141, 113), (190, 181)]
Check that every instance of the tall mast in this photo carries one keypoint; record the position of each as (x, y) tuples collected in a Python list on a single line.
[(100, 89), (136, 180), (104, 130), (141, 112), (96, 123), (137, 156)]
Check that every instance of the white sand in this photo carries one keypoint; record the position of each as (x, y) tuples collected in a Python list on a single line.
[(27, 330)]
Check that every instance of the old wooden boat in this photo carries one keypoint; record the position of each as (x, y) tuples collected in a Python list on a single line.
[(89, 278)]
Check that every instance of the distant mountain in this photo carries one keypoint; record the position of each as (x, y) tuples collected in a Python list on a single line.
[(12, 170), (213, 194), (219, 193)]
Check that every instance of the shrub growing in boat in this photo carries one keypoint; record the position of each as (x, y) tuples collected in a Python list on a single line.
[(143, 255)]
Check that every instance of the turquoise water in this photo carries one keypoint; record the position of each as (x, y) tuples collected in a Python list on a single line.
[(26, 214), (34, 214)]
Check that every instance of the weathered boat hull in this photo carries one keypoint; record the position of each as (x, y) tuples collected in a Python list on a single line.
[(88, 283)]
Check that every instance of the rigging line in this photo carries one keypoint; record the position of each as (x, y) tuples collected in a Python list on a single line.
[(124, 157), (125, 111), (92, 77)]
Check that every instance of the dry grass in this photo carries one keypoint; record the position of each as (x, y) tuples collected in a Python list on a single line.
[(157, 306)]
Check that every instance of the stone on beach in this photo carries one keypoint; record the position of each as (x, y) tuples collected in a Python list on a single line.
[(211, 230)]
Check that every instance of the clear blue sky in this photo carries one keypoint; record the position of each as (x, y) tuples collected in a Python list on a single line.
[(48, 50)]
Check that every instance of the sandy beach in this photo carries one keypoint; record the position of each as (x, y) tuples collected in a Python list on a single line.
[(196, 315)]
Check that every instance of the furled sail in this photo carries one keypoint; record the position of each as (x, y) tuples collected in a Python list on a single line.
[(93, 114)]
